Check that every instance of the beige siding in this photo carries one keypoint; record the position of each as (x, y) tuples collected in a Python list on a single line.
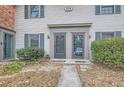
[(56, 15)]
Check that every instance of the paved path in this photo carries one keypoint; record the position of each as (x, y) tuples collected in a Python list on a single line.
[(69, 77)]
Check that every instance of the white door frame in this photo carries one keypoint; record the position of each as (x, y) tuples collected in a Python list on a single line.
[(69, 31)]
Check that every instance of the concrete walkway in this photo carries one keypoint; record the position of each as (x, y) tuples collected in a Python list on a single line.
[(69, 77)]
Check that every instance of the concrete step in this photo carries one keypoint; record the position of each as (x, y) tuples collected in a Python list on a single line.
[(85, 67), (71, 61)]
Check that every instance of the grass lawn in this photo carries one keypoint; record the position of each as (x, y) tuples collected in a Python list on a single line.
[(42, 74), (101, 76)]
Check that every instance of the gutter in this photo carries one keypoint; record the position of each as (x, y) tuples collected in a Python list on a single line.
[(7, 29)]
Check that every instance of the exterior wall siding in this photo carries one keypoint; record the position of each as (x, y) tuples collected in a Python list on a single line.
[(56, 15)]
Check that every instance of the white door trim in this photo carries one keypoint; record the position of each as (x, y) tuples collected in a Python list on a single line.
[(69, 31)]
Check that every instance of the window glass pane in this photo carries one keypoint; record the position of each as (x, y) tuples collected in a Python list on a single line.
[(34, 40), (107, 9), (78, 45), (107, 34), (59, 44), (34, 11)]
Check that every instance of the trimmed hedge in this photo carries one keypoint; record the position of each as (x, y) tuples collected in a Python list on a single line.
[(30, 53), (109, 52)]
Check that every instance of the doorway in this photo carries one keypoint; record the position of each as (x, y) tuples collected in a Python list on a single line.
[(60, 45), (8, 46)]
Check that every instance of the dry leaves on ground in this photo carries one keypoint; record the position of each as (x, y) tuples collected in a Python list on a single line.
[(38, 75), (101, 76)]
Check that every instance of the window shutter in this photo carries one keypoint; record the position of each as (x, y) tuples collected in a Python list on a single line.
[(26, 40), (98, 35), (41, 11), (117, 9), (97, 9), (42, 40), (26, 12), (118, 34)]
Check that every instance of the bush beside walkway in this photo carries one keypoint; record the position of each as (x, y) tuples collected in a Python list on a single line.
[(109, 52)]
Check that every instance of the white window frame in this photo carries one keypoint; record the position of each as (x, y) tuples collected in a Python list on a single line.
[(106, 5), (30, 40)]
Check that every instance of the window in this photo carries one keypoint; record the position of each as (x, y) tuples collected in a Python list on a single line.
[(34, 40), (107, 35), (107, 9), (103, 35), (34, 11)]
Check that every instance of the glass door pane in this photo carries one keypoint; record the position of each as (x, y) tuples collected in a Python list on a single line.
[(8, 45), (78, 46), (59, 45)]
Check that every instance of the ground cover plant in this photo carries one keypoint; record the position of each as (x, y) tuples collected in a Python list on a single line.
[(13, 67)]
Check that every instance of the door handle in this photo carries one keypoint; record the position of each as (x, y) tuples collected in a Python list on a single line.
[(1, 43)]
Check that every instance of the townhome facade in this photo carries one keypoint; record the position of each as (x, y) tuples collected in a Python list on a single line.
[(66, 32), (7, 32)]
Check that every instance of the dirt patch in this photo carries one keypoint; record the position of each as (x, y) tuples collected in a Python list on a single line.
[(41, 67), (101, 76), (37, 75)]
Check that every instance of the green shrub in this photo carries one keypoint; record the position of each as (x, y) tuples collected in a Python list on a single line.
[(109, 52), (30, 53)]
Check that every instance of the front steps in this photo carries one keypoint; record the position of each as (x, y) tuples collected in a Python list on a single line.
[(71, 61)]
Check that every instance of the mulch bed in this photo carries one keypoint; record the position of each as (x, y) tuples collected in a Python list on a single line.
[(37, 77), (101, 76)]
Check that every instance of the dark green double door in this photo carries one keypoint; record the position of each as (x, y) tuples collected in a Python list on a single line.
[(8, 45), (77, 45)]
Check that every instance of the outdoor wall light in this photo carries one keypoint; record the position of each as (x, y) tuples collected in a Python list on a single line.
[(48, 37), (89, 36)]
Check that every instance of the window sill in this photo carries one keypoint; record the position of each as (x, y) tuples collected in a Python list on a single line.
[(108, 14)]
